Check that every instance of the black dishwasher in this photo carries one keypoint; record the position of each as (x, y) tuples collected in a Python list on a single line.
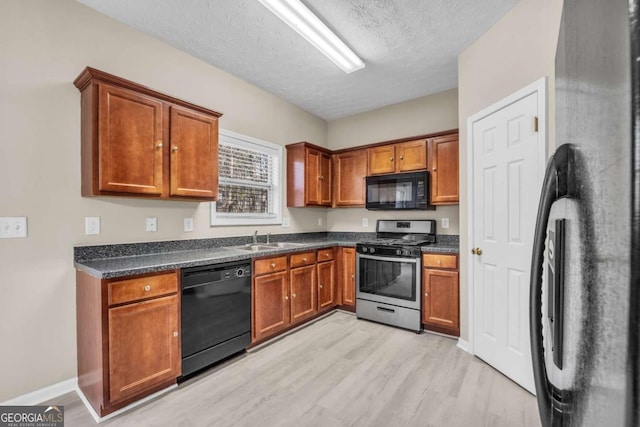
[(216, 313)]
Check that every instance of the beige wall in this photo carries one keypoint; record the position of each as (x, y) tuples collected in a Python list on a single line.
[(518, 50), (43, 46), (428, 114)]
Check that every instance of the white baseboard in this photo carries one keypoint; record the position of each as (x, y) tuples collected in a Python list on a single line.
[(464, 345), (98, 419), (43, 394)]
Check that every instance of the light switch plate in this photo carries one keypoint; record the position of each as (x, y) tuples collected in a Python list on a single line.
[(152, 224), (188, 224), (285, 221), (445, 222), (91, 225), (320, 222), (365, 222), (13, 227)]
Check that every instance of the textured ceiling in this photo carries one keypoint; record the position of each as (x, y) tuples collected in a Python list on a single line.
[(410, 47)]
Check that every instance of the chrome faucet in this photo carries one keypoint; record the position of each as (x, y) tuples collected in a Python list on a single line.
[(255, 237)]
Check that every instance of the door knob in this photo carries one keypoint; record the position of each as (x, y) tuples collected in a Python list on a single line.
[(476, 251)]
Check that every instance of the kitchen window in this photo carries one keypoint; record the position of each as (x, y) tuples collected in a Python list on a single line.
[(249, 181)]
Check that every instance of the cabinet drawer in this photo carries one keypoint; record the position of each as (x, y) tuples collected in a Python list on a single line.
[(325, 254), (139, 288), (440, 261), (269, 265), (305, 258)]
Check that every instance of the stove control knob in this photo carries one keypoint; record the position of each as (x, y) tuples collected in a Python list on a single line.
[(364, 249), (406, 252), (372, 250), (399, 251)]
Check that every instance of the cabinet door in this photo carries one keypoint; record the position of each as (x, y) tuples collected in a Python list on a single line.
[(194, 154), (444, 170), (411, 156), (440, 301), (312, 177), (324, 180), (130, 139), (350, 170), (270, 304), (144, 346), (348, 276), (326, 285), (303, 293), (381, 159)]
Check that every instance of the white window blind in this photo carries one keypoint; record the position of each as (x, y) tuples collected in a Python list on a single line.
[(249, 175)]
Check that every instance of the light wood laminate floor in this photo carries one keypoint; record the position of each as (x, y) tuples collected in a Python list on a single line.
[(338, 371)]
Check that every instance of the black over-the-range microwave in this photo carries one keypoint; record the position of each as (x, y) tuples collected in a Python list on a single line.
[(398, 191)]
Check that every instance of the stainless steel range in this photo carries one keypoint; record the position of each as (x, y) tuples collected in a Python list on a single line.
[(388, 272)]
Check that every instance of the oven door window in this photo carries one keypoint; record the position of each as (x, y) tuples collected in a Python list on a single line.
[(394, 279)]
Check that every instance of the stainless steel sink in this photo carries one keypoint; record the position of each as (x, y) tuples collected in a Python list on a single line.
[(284, 245), (266, 246)]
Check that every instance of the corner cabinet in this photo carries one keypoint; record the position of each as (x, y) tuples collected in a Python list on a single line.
[(137, 142), (309, 175), (444, 169), (349, 173), (128, 337), (440, 293)]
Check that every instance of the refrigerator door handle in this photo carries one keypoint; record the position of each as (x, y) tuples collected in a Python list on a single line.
[(559, 182)]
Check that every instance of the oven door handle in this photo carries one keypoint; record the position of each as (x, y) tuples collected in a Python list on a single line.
[(392, 259)]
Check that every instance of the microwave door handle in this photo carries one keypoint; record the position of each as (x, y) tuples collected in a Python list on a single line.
[(559, 182)]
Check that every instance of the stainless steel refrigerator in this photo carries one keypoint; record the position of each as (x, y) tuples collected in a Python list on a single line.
[(585, 288)]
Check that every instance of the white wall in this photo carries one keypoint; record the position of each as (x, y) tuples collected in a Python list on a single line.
[(518, 50), (420, 116), (44, 45)]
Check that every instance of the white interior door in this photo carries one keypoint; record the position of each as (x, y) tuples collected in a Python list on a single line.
[(508, 165)]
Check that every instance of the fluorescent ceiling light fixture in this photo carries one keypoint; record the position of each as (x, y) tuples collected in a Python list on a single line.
[(304, 22)]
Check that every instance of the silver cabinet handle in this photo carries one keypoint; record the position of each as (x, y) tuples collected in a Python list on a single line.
[(293, 296), (175, 334), (273, 265), (286, 297), (320, 286)]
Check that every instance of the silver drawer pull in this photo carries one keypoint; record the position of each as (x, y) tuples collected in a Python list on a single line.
[(147, 288), (273, 265)]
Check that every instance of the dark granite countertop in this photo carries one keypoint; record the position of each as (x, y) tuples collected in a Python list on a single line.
[(112, 261)]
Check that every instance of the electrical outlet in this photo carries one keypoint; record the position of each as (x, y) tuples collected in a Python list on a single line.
[(285, 221), (188, 224), (365, 222), (320, 222), (13, 227), (91, 225), (152, 224), (445, 222)]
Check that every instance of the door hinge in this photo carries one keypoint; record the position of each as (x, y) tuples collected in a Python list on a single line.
[(535, 123)]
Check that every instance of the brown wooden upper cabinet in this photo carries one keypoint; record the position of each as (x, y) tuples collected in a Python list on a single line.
[(402, 157), (443, 153), (349, 172), (137, 142), (308, 175)]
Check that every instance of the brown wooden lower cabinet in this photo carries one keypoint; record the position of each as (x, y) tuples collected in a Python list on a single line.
[(271, 304), (128, 337), (290, 289), (440, 294), (348, 277), (326, 285), (303, 293)]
